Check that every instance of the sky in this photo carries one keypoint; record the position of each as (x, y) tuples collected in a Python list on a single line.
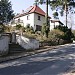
[(19, 5)]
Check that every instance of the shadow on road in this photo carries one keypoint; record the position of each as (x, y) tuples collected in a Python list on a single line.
[(56, 62)]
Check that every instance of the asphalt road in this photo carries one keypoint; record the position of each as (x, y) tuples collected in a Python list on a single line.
[(59, 61)]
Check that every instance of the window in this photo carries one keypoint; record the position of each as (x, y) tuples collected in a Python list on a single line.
[(28, 17), (39, 18)]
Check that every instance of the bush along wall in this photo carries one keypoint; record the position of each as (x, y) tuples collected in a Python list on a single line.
[(68, 35), (55, 38), (58, 37)]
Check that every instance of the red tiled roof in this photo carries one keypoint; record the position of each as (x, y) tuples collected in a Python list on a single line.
[(38, 10), (33, 9)]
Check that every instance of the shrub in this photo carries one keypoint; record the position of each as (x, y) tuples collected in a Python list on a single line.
[(45, 29), (27, 27), (29, 35), (73, 34), (7, 28), (18, 26), (56, 36), (32, 30), (62, 28), (23, 28), (55, 15), (2, 28), (68, 35)]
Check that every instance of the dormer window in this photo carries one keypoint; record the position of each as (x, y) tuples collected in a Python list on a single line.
[(27, 17), (39, 18)]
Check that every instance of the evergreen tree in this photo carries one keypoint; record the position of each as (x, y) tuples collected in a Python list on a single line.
[(6, 12), (62, 5), (55, 15)]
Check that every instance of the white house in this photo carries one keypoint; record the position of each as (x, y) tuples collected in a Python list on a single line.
[(33, 16), (54, 23)]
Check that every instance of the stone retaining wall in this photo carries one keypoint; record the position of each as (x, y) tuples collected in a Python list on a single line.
[(27, 43), (4, 44)]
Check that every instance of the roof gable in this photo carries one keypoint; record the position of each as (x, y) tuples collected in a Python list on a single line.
[(32, 9), (38, 10)]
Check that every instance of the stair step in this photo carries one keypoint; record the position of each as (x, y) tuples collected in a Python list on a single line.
[(15, 48)]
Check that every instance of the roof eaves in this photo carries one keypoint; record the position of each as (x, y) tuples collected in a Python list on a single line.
[(61, 22)]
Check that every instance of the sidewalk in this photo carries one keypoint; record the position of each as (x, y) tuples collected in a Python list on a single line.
[(24, 54)]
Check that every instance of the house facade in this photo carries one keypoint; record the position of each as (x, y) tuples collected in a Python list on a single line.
[(54, 23), (33, 16)]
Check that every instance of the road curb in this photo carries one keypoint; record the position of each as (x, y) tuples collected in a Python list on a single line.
[(3, 59)]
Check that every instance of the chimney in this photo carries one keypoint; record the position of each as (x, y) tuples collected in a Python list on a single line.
[(22, 11)]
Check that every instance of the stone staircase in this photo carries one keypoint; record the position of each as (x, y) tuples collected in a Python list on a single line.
[(15, 48)]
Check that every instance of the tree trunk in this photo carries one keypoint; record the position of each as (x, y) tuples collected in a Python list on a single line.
[(66, 9), (54, 25), (46, 12), (47, 18)]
